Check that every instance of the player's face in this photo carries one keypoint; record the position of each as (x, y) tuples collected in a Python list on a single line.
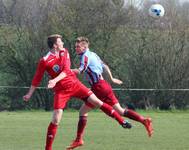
[(59, 44), (80, 48)]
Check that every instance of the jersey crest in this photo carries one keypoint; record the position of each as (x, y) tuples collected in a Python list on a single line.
[(56, 68)]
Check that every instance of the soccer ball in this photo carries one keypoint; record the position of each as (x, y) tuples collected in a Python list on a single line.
[(156, 11)]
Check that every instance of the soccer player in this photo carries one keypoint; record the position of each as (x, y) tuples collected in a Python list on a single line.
[(94, 66), (55, 62)]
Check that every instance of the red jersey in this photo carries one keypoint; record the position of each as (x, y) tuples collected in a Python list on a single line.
[(54, 65)]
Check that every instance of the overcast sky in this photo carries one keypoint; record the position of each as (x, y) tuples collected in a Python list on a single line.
[(184, 0), (179, 0)]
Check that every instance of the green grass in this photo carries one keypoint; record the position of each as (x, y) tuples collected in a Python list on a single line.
[(27, 131)]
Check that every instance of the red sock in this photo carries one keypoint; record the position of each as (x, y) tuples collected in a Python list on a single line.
[(81, 126), (133, 115), (51, 132), (111, 112)]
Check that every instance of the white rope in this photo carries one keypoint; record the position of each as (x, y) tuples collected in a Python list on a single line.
[(20, 87), (125, 89), (115, 89)]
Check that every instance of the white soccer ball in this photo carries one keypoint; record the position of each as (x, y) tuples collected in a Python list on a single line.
[(156, 11)]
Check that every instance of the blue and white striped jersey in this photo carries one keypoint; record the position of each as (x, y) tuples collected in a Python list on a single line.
[(92, 65)]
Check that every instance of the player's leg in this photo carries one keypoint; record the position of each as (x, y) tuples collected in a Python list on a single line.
[(60, 100), (147, 122), (107, 109), (104, 92), (129, 113), (52, 128), (83, 113)]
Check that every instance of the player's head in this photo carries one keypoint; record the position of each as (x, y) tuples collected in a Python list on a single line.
[(82, 43), (54, 41)]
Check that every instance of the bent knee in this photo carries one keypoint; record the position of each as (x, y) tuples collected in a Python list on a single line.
[(56, 121), (57, 115)]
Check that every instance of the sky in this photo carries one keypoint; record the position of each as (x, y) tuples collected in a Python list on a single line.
[(184, 0), (179, 0)]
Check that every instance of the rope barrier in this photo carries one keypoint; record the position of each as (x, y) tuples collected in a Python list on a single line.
[(20, 87), (125, 89), (115, 89)]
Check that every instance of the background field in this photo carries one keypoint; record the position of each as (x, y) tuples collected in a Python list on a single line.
[(27, 130)]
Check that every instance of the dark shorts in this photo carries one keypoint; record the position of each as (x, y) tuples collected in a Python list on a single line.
[(104, 92)]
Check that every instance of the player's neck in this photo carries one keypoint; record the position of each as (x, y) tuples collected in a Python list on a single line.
[(55, 52)]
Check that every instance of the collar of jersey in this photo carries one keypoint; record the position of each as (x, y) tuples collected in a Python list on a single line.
[(84, 51)]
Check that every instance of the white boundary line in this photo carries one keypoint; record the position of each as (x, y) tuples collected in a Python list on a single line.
[(115, 89)]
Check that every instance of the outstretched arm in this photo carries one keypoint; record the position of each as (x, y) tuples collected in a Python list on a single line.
[(36, 80), (107, 71)]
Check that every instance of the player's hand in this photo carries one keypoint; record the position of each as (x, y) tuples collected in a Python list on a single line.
[(51, 84), (26, 97), (117, 81)]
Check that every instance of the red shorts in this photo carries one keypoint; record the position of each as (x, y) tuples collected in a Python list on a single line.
[(77, 90), (103, 90)]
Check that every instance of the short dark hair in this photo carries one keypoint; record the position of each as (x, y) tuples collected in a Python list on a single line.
[(82, 39), (51, 40)]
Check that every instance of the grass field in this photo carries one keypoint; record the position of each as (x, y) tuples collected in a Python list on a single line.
[(27, 130)]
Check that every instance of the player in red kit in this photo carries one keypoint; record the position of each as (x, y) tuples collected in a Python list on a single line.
[(55, 62), (94, 66)]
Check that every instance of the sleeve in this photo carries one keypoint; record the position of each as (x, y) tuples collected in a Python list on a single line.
[(84, 62), (39, 73)]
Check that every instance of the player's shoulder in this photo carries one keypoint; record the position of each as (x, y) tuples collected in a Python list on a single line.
[(47, 56), (91, 51), (93, 54), (89, 54)]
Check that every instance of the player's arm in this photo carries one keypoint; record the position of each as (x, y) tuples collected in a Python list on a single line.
[(29, 94), (76, 71), (62, 75), (53, 82), (84, 62), (36, 80), (106, 69)]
